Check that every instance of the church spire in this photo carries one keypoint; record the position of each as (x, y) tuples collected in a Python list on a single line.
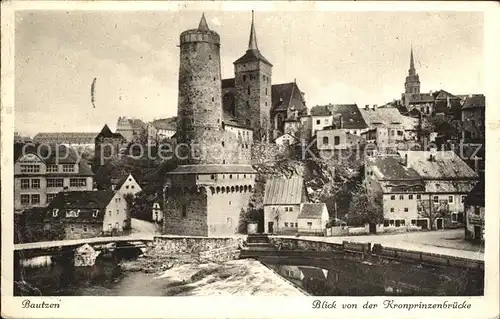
[(412, 64), (203, 26), (252, 42)]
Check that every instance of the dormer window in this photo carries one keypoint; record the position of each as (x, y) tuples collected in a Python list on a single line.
[(95, 212), (55, 211)]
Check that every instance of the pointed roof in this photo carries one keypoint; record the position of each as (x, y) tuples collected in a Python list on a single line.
[(252, 42), (203, 26), (106, 132), (412, 64), (253, 53)]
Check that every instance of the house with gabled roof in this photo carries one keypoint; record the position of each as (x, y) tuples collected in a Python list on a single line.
[(282, 199), (312, 218), (125, 184), (89, 214), (447, 179), (399, 188), (346, 117)]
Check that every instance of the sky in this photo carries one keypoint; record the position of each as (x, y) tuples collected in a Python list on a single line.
[(335, 57)]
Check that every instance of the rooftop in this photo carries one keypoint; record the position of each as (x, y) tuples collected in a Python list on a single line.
[(442, 165), (474, 101), (312, 210), (350, 114), (388, 116), (106, 133), (65, 136), (284, 191), (169, 124), (85, 202)]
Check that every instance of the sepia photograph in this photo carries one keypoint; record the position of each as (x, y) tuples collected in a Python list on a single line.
[(247, 152)]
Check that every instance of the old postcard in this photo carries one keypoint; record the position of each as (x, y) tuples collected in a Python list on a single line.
[(252, 160)]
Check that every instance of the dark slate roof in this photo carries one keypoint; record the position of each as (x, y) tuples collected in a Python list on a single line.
[(106, 132), (213, 168), (252, 55), (34, 215), (475, 101), (284, 191), (312, 210), (350, 113), (476, 196), (227, 83), (169, 123), (284, 95), (85, 201), (443, 95), (392, 168)]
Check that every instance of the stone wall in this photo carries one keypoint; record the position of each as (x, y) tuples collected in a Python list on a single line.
[(300, 244), (199, 114), (191, 244), (77, 231), (195, 220)]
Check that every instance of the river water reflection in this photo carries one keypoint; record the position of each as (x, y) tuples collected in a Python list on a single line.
[(315, 276)]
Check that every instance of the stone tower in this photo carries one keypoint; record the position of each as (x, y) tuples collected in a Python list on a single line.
[(199, 113), (253, 88), (412, 83), (206, 193)]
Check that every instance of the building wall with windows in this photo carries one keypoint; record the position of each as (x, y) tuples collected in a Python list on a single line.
[(116, 217), (319, 122), (36, 182), (282, 217), (336, 139)]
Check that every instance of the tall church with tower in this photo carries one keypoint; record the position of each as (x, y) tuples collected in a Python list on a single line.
[(252, 98)]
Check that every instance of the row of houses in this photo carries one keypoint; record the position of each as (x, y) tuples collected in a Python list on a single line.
[(53, 187)]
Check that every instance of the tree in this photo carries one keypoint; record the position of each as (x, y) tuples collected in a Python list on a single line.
[(432, 211), (365, 208)]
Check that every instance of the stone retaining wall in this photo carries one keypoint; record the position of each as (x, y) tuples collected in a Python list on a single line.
[(191, 244), (300, 244)]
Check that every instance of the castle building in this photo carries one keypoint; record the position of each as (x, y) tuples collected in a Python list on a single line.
[(107, 145), (206, 193), (252, 98)]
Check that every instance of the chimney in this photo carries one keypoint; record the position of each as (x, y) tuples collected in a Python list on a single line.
[(341, 122), (374, 106), (367, 107)]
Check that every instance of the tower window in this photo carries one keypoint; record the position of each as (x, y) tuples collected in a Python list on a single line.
[(266, 91), (244, 78), (210, 57), (222, 143), (213, 99), (184, 211), (248, 90), (266, 103)]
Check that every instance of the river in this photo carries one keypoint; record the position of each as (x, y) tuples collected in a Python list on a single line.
[(318, 277)]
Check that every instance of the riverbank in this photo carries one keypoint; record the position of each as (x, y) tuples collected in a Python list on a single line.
[(187, 275)]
